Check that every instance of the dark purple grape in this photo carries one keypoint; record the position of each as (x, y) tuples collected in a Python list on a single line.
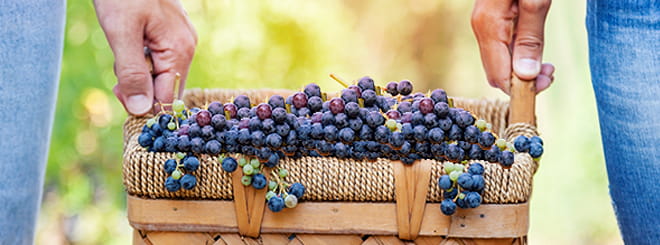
[(213, 147), (392, 88), (327, 118), (426, 105), (183, 144), (392, 114), (231, 109), (341, 120), (303, 112), (203, 118), (455, 133), (382, 134), (243, 113), (436, 135), (299, 100), (242, 101), (352, 109), (313, 89), (254, 124), (430, 120), (404, 107), (216, 108), (439, 95), (346, 135), (258, 138), (406, 117), (358, 91), (506, 158), (366, 83), (348, 95), (276, 101), (366, 133), (243, 123), (208, 133), (369, 97), (471, 134), (445, 123), (486, 140), (419, 133), (315, 103), (475, 153), (274, 140), (183, 129), (279, 115), (218, 122), (264, 111), (375, 119), (441, 109), (492, 154), (404, 87), (268, 126), (282, 129), (417, 118), (355, 124), (336, 105), (464, 119)]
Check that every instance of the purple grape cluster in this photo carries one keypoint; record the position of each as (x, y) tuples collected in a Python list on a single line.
[(364, 122), (460, 189), (181, 172)]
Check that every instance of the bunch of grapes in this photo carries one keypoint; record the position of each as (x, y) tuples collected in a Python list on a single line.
[(364, 122), (181, 172), (461, 189), (282, 194)]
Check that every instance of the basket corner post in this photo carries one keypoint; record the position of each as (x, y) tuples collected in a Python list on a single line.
[(411, 187), (249, 205)]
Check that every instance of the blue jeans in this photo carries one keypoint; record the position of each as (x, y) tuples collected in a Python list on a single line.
[(31, 35), (624, 49)]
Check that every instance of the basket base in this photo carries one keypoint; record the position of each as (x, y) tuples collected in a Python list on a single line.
[(165, 237)]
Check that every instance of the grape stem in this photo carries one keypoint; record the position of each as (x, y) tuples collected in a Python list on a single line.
[(339, 80)]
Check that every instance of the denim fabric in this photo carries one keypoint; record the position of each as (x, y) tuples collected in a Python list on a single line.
[(31, 39), (624, 49)]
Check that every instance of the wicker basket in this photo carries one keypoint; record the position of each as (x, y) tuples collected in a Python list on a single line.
[(347, 202)]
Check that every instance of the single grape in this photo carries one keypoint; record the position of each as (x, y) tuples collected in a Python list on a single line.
[(448, 207), (151, 122), (190, 163), (444, 182), (272, 185), (312, 89), (473, 199), (476, 169), (299, 100), (216, 108), (336, 105), (486, 140), (366, 83), (290, 201), (248, 169), (264, 111), (246, 180), (229, 164), (349, 95), (203, 118), (426, 105), (439, 95), (242, 101), (481, 124), (276, 101), (276, 204), (176, 174), (213, 147), (465, 181), (188, 181), (451, 193), (315, 104), (369, 98), (506, 158), (454, 175), (536, 139), (230, 110), (259, 181), (404, 87), (390, 124), (478, 183), (145, 139), (283, 173), (521, 143), (297, 190), (270, 194), (172, 184), (170, 166), (391, 88), (178, 105), (279, 115), (535, 150)]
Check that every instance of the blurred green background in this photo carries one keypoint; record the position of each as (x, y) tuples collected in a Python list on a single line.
[(286, 44)]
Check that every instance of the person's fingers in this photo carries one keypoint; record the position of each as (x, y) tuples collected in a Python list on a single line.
[(125, 36), (492, 23), (545, 77), (528, 46)]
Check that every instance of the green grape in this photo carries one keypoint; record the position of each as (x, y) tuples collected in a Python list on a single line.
[(150, 122), (256, 171), (248, 169), (290, 201), (180, 155), (242, 162), (283, 173), (246, 180), (453, 176), (178, 105), (459, 168), (461, 195), (178, 114), (448, 167), (255, 163), (176, 174), (489, 127), (269, 195), (171, 126), (501, 143), (399, 126), (481, 124), (272, 185), (391, 124)]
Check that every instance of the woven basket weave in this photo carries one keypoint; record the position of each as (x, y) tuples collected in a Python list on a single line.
[(326, 179)]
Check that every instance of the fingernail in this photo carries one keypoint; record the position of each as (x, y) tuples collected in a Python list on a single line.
[(138, 104), (527, 68)]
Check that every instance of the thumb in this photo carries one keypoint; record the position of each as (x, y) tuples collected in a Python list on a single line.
[(528, 45)]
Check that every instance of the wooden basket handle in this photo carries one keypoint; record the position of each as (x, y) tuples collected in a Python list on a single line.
[(523, 101)]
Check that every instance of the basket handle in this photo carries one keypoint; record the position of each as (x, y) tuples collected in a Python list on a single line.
[(523, 101)]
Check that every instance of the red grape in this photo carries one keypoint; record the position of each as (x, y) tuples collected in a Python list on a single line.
[(203, 118), (264, 111), (336, 105)]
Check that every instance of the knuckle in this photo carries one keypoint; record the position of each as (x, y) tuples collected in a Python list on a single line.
[(131, 78), (530, 42), (535, 6)]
